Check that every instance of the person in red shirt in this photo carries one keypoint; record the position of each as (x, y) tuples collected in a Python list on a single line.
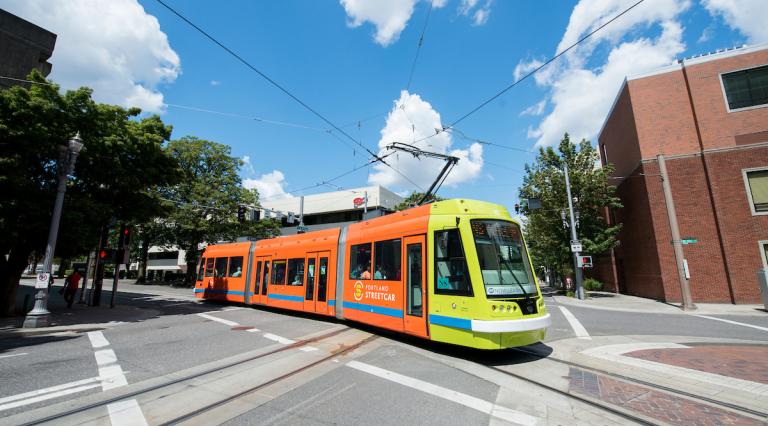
[(72, 284)]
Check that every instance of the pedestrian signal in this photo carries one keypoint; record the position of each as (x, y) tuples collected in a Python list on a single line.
[(585, 261)]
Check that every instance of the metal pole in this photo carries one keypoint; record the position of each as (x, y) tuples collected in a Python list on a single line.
[(39, 315), (574, 237), (85, 278), (114, 285), (685, 290), (301, 211), (365, 205)]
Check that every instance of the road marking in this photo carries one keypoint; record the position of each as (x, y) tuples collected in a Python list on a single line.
[(231, 308), (13, 355), (112, 376), (221, 320), (279, 339), (47, 396), (97, 339), (478, 404), (733, 322), (308, 349), (578, 329), (93, 381), (253, 330), (126, 412)]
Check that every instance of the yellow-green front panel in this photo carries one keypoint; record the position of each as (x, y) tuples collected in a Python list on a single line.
[(450, 315)]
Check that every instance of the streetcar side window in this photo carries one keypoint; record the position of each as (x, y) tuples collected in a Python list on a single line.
[(278, 272), (451, 274), (296, 272), (201, 270), (256, 278), (360, 262), (322, 279), (265, 278), (221, 267), (209, 267), (236, 266), (387, 260)]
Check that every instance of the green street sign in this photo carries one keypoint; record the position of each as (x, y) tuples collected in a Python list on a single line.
[(689, 241)]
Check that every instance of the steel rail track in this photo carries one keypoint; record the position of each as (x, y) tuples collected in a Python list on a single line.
[(139, 392)]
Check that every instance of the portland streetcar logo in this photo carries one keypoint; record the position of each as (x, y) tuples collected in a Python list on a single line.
[(358, 291), (359, 201)]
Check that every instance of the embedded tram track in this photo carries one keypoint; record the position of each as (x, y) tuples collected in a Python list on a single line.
[(666, 389), (208, 371), (224, 401)]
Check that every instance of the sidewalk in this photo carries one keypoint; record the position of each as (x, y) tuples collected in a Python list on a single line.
[(82, 318), (620, 302)]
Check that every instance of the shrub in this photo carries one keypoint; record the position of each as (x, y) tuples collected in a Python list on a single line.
[(592, 284), (570, 293)]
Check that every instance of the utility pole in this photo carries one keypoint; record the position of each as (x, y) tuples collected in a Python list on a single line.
[(365, 204), (685, 289), (574, 237), (301, 211)]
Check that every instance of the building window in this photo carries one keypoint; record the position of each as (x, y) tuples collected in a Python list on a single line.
[(746, 88), (764, 252), (757, 190)]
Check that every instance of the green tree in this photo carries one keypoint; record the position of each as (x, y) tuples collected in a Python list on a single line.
[(115, 176), (548, 239), (203, 205), (414, 198)]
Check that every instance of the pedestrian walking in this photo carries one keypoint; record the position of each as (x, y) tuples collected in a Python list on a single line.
[(71, 285)]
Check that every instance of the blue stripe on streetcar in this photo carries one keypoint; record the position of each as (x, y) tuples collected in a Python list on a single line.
[(398, 313), (451, 322), (286, 297), (211, 291), (331, 303)]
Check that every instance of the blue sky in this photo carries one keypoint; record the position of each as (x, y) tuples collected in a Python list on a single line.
[(350, 61)]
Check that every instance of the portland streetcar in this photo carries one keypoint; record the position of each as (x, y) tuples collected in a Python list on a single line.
[(454, 271)]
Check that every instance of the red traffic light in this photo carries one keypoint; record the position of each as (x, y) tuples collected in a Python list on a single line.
[(103, 254)]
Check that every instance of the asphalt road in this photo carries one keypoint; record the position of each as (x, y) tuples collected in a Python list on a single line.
[(170, 335)]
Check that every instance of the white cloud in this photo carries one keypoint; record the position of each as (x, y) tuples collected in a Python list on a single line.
[(479, 15), (271, 186), (248, 165), (580, 95), (535, 110), (114, 47), (524, 67), (215, 83), (412, 118), (749, 17), (388, 16)]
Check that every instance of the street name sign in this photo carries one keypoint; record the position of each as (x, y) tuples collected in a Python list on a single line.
[(42, 280), (576, 246)]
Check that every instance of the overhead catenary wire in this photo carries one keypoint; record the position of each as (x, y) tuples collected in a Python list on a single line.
[(532, 72), (284, 90), (274, 83)]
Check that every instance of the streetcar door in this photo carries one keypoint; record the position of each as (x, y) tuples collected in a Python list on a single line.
[(415, 317), (255, 281), (311, 283), (324, 288), (262, 278)]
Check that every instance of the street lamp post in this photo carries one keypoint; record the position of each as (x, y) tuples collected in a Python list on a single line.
[(38, 316)]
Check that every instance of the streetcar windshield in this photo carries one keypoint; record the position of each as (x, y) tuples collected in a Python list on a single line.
[(503, 258)]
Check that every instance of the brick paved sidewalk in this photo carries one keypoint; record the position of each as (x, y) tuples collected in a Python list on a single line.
[(747, 362)]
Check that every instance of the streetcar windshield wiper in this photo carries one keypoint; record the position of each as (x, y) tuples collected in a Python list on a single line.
[(508, 264)]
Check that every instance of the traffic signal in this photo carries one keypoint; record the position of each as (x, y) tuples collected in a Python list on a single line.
[(106, 255), (517, 208), (125, 236), (241, 214)]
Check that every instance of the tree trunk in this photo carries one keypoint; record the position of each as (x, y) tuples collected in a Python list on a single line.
[(10, 274), (143, 258), (191, 258), (63, 266)]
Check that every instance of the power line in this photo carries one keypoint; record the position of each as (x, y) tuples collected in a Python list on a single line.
[(270, 80), (284, 90), (482, 142), (252, 118), (418, 48), (534, 71), (26, 81)]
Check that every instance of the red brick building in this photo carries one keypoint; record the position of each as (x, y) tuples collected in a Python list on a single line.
[(708, 116)]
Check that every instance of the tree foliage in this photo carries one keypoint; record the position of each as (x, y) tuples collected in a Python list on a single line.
[(115, 176), (414, 198), (548, 239), (203, 205)]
